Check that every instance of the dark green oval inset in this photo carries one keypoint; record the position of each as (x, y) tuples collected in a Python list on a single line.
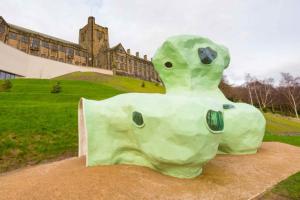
[(215, 120), (168, 64), (137, 118), (228, 106)]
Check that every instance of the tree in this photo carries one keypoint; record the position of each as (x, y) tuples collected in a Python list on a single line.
[(249, 79), (6, 85), (290, 88), (56, 88), (225, 87), (260, 91)]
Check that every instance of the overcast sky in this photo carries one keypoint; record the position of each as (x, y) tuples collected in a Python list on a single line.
[(263, 36)]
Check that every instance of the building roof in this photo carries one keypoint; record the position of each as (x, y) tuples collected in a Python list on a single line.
[(118, 46), (43, 35)]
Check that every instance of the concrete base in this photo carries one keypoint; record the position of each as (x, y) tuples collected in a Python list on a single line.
[(225, 177)]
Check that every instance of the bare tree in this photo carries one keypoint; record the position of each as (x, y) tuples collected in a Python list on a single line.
[(249, 79), (290, 88), (265, 91), (259, 90)]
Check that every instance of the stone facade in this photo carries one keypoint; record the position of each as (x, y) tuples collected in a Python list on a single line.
[(93, 49)]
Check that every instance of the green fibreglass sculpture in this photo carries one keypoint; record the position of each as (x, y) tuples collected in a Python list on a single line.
[(178, 132)]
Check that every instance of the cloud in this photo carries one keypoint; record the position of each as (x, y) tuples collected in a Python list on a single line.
[(261, 35)]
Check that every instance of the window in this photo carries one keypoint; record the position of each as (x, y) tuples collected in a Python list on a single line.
[(2, 28), (12, 36), (35, 43), (77, 53), (83, 54), (82, 37), (70, 52), (6, 75), (99, 35), (215, 121), (61, 49), (24, 39), (54, 47), (45, 45)]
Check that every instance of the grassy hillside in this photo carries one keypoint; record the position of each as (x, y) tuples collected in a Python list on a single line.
[(282, 129), (278, 124), (36, 125), (119, 82)]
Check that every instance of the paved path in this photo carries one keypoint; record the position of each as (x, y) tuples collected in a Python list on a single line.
[(225, 177)]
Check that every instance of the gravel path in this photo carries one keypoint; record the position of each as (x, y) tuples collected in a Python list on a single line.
[(225, 177)]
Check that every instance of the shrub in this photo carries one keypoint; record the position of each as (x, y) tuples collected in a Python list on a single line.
[(56, 88), (156, 84), (143, 84), (6, 85)]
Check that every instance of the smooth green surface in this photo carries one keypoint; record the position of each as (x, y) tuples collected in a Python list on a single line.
[(175, 138)]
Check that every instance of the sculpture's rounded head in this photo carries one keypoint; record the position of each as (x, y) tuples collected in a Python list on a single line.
[(190, 63)]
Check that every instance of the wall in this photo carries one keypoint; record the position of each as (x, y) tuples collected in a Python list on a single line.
[(17, 62)]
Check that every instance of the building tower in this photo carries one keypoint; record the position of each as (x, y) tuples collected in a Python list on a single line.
[(94, 38)]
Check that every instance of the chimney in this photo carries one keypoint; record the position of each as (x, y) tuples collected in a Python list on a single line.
[(145, 57), (137, 54), (91, 20), (128, 51)]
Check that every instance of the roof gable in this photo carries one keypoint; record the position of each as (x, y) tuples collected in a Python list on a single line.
[(2, 21), (119, 47)]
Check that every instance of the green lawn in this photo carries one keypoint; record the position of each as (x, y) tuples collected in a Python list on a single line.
[(279, 126), (286, 189), (36, 125), (119, 82), (289, 188), (293, 140)]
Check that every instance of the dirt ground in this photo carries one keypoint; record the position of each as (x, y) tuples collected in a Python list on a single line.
[(225, 177)]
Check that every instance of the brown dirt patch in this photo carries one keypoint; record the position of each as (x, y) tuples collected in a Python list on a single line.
[(225, 177)]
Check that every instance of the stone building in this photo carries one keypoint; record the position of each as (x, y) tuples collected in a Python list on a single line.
[(93, 49)]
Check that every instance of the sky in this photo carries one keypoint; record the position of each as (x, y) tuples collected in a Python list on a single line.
[(263, 36)]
